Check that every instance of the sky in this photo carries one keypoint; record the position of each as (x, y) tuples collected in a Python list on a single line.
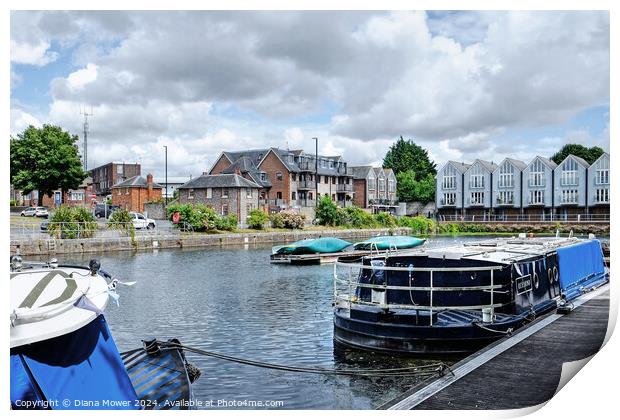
[(463, 85)]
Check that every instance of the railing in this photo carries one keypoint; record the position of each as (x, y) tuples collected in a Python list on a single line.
[(347, 283), (579, 218), (306, 185), (79, 230), (344, 187), (382, 202), (306, 166)]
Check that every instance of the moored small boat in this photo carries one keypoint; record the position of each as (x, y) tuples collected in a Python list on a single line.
[(382, 243), (458, 299), (312, 246), (63, 356)]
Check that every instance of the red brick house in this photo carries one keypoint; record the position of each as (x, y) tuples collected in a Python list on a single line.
[(132, 193)]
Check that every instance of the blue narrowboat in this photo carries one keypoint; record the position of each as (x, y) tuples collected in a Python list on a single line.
[(458, 299)]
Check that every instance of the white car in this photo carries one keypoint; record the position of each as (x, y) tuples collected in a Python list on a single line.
[(140, 221), (34, 212)]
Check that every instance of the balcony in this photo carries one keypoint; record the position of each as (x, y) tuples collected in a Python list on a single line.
[(306, 166), (344, 188), (345, 171), (447, 203), (383, 202), (273, 202), (306, 185), (303, 203), (569, 182), (535, 184)]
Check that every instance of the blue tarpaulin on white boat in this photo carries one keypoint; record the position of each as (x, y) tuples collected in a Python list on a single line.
[(579, 262), (82, 369)]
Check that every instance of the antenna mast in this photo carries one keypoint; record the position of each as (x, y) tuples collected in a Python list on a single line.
[(85, 154)]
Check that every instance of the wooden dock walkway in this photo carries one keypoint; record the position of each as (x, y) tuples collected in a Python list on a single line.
[(519, 371)]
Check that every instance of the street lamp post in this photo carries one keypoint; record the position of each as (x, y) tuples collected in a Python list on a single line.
[(166, 180), (316, 171)]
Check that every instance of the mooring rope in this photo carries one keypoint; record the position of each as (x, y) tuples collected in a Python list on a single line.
[(424, 370)]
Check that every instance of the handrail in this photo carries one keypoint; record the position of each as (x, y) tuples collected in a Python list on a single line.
[(424, 269), (351, 284)]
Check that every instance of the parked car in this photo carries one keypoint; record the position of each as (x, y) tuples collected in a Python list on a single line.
[(35, 212), (101, 211), (140, 221)]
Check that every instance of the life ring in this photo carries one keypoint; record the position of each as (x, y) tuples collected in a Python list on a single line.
[(536, 281), (550, 275), (556, 274)]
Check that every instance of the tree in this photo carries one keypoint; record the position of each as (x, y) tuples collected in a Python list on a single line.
[(405, 155), (45, 159), (327, 212), (589, 154), (411, 190)]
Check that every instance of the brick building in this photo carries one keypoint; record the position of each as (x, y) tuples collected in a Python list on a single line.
[(225, 193), (290, 178), (132, 193), (106, 176)]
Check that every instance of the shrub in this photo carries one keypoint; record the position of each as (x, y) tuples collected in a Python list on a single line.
[(200, 217), (13, 203), (450, 227), (356, 217), (418, 224), (327, 212), (292, 219), (122, 221), (277, 221), (71, 223), (257, 219), (385, 219)]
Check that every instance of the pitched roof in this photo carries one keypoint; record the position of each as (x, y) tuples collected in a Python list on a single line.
[(219, 181), (137, 181), (551, 164), (459, 166), (490, 166), (518, 163), (245, 166), (360, 172), (580, 160)]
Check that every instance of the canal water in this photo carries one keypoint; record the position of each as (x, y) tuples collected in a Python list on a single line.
[(233, 301)]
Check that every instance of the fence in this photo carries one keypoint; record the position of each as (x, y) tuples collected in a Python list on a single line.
[(80, 230), (546, 218)]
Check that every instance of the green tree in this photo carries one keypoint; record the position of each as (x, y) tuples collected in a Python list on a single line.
[(45, 159), (405, 155), (589, 154), (327, 212), (410, 189)]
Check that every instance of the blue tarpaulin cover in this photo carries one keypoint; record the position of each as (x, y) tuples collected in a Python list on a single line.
[(82, 367), (580, 261)]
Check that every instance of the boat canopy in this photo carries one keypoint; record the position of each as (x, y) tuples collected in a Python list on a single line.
[(389, 242), (82, 368), (312, 246), (579, 262)]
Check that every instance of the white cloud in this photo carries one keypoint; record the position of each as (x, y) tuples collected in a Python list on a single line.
[(37, 54), (80, 78), (20, 120)]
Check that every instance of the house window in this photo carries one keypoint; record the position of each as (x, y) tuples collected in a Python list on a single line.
[(248, 193), (569, 197), (477, 198), (476, 177), (537, 174), (263, 176), (279, 195), (209, 193), (77, 196), (372, 183), (119, 169), (569, 173), (333, 179), (309, 196), (505, 197), (602, 195), (602, 173), (279, 176), (449, 199), (448, 181), (391, 185), (224, 192), (294, 177), (381, 184), (224, 209), (537, 197), (293, 196), (249, 209), (506, 175), (119, 191), (126, 191), (190, 194)]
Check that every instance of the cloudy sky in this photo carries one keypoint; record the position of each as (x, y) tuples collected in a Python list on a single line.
[(462, 84)]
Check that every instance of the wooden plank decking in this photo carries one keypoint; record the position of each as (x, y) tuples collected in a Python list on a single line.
[(518, 371)]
